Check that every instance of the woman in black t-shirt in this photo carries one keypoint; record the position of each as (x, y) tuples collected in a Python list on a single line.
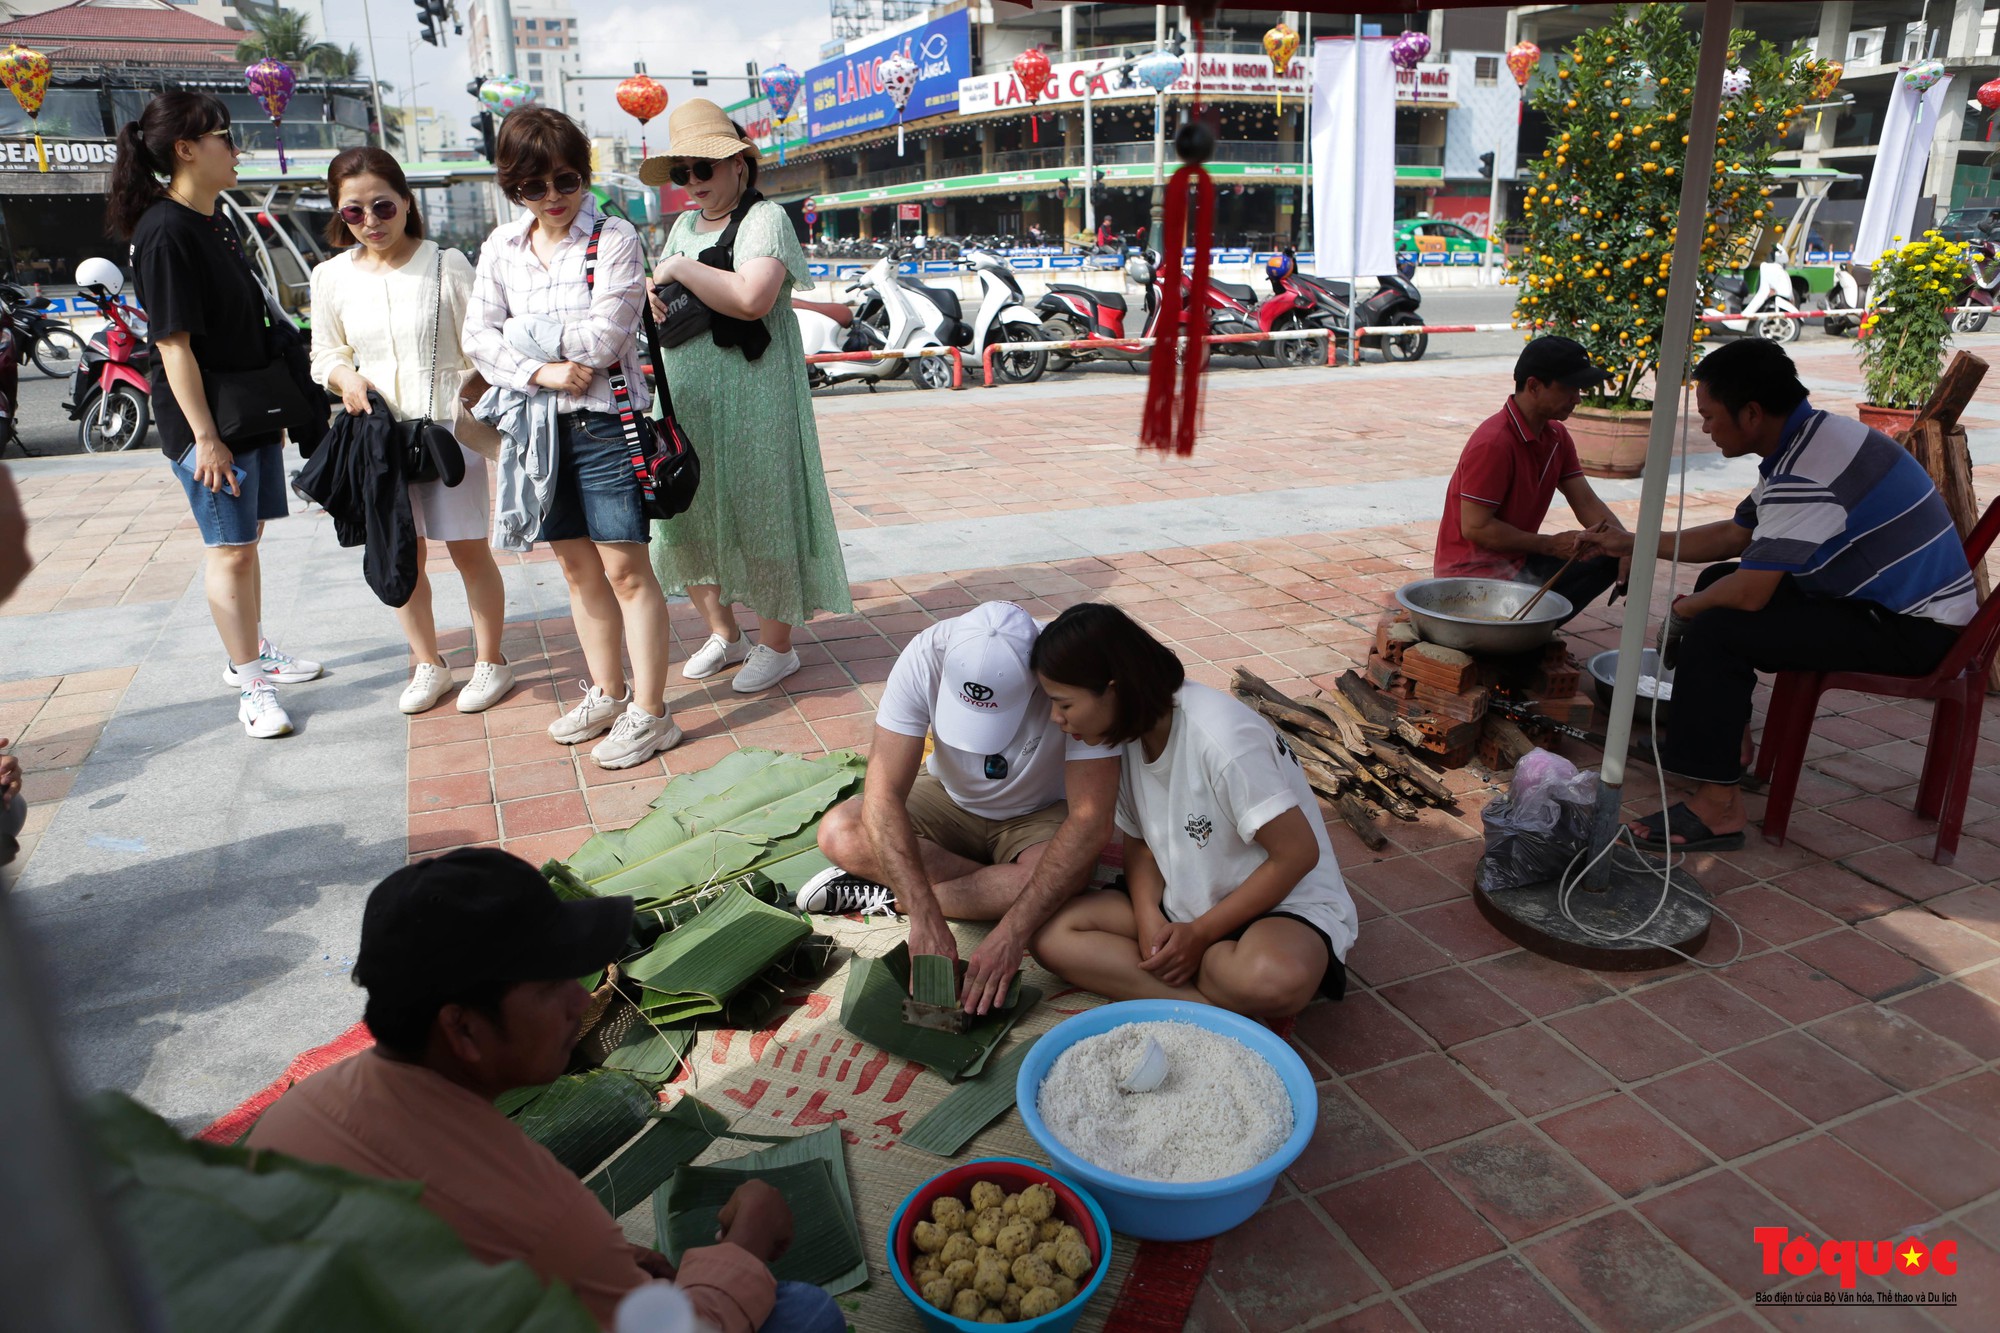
[(207, 315)]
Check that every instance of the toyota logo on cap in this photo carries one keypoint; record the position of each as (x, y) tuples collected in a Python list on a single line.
[(977, 693)]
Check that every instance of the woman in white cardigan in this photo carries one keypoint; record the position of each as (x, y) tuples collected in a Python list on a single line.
[(374, 306)]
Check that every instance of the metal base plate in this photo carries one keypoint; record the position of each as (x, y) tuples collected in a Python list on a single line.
[(1532, 917)]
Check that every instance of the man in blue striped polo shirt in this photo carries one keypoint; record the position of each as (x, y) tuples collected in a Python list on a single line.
[(1843, 557)]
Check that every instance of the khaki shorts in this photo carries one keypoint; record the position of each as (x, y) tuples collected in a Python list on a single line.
[(937, 818)]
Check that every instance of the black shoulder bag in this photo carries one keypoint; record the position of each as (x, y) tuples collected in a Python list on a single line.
[(687, 317), (247, 403), (425, 450), (664, 462)]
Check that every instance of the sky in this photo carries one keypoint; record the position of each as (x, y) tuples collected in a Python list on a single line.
[(671, 36)]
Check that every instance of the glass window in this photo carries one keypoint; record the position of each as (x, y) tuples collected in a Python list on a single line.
[(1486, 71), (66, 113), (534, 59), (553, 25)]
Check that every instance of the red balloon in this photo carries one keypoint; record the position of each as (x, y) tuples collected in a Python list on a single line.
[(1989, 94), (1031, 67)]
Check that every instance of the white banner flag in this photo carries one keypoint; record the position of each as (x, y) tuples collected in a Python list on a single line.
[(1354, 159), (1898, 180)]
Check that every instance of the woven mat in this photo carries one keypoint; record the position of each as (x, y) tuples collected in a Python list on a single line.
[(803, 1071)]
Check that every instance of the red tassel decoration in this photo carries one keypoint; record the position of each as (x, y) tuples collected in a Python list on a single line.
[(1172, 416)]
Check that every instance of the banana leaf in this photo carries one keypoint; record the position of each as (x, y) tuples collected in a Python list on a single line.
[(970, 1107), (232, 1240), (672, 914), (566, 881), (670, 1141), (793, 871), (872, 1010), (818, 1255), (828, 1226), (651, 1054), (584, 1118), (691, 971), (934, 980)]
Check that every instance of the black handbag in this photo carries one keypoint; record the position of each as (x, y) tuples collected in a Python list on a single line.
[(664, 462), (425, 450), (685, 314), (247, 403)]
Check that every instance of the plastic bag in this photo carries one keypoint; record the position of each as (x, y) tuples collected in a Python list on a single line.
[(1536, 830)]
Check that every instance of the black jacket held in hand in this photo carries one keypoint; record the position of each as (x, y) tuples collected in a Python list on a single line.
[(355, 476)]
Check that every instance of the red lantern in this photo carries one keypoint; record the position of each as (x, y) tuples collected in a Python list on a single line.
[(642, 98), (1031, 67), (1989, 94)]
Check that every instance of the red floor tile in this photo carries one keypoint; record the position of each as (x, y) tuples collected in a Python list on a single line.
[(1973, 1104), (1708, 1013), (1346, 1141), (544, 778), (1942, 1163), (1283, 1267), (1808, 1077), (1790, 989), (1625, 1040), (1502, 1294), (1389, 951), (1532, 1070), (543, 814), (1838, 1192), (447, 793), (1865, 966), (1408, 1223), (1977, 907), (1713, 1218), (1428, 1101), (1940, 945), (1887, 818), (1893, 1047), (1839, 892), (1359, 1033), (1909, 874), (1452, 1006), (459, 757), (1775, 915), (1518, 1183), (1403, 882), (1720, 1111), (1625, 1145), (1956, 1014), (1623, 1276), (1974, 1288), (1540, 985), (1460, 929), (437, 830)]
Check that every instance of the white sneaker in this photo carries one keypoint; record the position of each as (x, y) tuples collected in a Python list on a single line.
[(278, 666), (428, 684), (592, 716), (714, 655), (763, 669), (636, 737), (488, 686), (836, 892), (260, 713)]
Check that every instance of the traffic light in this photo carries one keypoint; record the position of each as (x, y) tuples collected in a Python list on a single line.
[(431, 15), (482, 124), (701, 78), (1486, 165)]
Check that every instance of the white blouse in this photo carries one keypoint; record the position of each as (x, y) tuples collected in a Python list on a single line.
[(380, 325)]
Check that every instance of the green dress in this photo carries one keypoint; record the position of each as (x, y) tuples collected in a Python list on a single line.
[(761, 525)]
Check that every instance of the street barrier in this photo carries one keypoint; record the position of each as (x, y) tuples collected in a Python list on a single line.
[(957, 361), (1134, 344)]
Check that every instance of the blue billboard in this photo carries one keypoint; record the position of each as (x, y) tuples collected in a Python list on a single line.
[(845, 96)]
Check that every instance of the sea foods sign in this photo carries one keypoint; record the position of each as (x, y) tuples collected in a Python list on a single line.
[(63, 154), (846, 96)]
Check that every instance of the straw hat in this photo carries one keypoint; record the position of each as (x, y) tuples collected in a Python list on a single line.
[(696, 128)]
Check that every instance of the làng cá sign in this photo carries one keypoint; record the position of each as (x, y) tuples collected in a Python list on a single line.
[(64, 154)]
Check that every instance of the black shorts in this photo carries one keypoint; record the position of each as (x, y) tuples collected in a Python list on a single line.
[(1332, 983)]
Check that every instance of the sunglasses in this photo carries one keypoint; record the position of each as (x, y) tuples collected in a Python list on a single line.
[(383, 209), (996, 767), (701, 171), (228, 136), (565, 182)]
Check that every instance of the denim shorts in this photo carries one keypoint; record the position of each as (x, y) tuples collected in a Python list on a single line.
[(231, 520), (596, 494)]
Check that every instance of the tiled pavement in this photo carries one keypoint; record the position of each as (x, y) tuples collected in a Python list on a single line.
[(1504, 1142)]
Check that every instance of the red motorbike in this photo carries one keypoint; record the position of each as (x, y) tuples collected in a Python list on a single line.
[(1290, 308), (1069, 311), (110, 398)]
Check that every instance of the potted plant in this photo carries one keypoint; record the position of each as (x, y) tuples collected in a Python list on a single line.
[(1601, 202), (1908, 326)]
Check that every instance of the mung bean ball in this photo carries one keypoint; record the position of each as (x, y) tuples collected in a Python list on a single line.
[(1015, 1239), (1064, 1287), (1070, 1233), (989, 1276), (986, 1194), (986, 1224), (948, 1213), (939, 1291), (1031, 1271), (991, 1316), (930, 1237), (1010, 1304), (967, 1305), (1073, 1257), (957, 1246), (1012, 1206), (1051, 1229), (1040, 1301), (925, 1269), (959, 1274), (1038, 1203)]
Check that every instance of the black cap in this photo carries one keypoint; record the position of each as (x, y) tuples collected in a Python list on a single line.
[(478, 917), (1557, 360)]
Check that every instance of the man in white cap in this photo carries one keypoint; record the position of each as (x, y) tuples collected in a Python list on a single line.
[(1006, 824)]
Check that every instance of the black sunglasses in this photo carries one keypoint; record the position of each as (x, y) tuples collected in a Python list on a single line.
[(383, 209), (996, 766), (565, 182), (701, 171)]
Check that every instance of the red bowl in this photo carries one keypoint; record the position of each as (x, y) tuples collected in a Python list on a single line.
[(1013, 1176)]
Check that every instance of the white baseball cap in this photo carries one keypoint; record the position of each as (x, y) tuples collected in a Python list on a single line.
[(987, 686)]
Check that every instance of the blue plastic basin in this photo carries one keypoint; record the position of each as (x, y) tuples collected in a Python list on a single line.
[(1157, 1209)]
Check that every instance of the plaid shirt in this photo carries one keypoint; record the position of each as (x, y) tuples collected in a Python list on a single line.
[(596, 328)]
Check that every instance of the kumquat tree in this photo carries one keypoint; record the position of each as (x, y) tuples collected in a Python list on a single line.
[(1603, 198)]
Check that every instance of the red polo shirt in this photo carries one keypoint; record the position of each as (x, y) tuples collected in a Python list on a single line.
[(1515, 474)]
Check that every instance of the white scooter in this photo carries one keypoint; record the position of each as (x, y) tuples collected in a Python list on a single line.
[(895, 312), (1004, 317), (1847, 299), (1768, 313)]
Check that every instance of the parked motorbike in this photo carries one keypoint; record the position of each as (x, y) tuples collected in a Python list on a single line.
[(47, 339), (111, 399), (1069, 311), (1847, 300), (1295, 307), (1762, 313), (1395, 301), (1982, 288), (10, 387), (1004, 317), (896, 312)]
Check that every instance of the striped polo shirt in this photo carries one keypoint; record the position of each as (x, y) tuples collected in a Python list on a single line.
[(1848, 512)]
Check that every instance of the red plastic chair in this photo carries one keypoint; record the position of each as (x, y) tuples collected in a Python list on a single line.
[(1958, 686)]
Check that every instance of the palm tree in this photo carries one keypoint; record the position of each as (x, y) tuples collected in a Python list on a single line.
[(287, 35)]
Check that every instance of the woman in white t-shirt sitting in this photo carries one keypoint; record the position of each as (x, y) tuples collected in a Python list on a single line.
[(1232, 895)]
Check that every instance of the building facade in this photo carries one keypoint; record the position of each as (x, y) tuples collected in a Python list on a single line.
[(545, 50)]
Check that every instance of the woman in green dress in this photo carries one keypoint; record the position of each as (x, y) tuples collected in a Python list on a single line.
[(760, 530)]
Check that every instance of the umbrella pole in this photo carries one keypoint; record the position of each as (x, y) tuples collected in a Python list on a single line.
[(1683, 291)]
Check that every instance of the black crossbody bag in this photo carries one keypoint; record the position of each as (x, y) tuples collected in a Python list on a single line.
[(686, 315), (664, 462), (426, 451)]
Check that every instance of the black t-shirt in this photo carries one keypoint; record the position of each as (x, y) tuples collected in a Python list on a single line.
[(192, 277)]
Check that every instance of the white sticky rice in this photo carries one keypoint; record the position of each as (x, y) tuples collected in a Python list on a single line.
[(1222, 1108)]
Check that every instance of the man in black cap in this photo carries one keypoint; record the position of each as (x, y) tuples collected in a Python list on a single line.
[(471, 965), (1510, 471)]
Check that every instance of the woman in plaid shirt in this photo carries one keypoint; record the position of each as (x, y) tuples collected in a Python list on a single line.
[(534, 326)]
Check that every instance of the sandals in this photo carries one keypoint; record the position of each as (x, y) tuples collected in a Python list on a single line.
[(1700, 838)]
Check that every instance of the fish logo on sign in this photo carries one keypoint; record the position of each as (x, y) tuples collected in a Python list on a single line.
[(1200, 829)]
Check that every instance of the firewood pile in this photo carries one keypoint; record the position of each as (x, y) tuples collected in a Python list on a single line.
[(1355, 754)]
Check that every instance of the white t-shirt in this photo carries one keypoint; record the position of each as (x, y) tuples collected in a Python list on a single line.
[(1035, 756), (1223, 775)]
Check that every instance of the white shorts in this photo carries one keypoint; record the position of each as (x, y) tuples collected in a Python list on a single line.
[(460, 513)]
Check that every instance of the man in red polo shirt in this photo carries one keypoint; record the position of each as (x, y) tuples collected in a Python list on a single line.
[(1510, 471)]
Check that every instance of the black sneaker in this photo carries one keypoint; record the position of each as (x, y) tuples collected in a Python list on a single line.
[(835, 892)]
